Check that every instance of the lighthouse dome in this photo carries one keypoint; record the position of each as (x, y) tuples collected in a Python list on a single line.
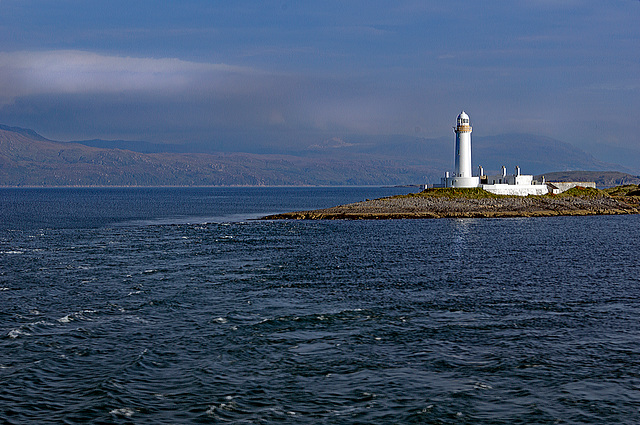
[(463, 118)]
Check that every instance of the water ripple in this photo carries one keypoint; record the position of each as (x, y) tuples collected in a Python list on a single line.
[(442, 321)]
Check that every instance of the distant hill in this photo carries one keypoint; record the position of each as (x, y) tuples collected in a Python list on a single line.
[(130, 145), (28, 159), (23, 131), (601, 178), (534, 155)]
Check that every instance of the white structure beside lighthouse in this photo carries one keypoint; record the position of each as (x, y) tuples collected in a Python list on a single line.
[(500, 184)]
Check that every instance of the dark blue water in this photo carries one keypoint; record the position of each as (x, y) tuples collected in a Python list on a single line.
[(172, 306)]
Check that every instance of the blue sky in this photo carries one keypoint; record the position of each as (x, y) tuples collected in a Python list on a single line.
[(277, 74)]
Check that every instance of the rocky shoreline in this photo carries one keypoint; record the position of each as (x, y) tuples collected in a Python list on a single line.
[(425, 205)]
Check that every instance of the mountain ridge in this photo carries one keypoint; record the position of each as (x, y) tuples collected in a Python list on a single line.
[(29, 159)]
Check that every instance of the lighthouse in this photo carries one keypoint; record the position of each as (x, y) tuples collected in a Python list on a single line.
[(500, 184), (462, 175), (463, 146)]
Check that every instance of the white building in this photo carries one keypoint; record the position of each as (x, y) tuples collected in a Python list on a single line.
[(501, 184)]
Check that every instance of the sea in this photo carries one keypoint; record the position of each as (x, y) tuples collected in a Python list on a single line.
[(177, 306)]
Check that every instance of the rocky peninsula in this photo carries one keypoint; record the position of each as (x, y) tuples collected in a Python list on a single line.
[(468, 203)]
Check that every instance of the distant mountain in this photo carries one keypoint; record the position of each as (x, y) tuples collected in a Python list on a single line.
[(534, 155), (134, 146), (28, 159), (627, 156), (601, 178), (24, 132)]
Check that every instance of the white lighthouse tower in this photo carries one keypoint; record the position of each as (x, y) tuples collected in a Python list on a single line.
[(462, 176), (463, 146)]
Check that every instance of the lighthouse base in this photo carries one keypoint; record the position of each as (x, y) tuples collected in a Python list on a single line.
[(462, 182)]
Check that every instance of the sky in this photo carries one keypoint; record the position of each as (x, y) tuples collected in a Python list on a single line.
[(255, 75)]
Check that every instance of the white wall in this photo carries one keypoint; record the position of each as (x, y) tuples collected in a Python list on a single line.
[(517, 190)]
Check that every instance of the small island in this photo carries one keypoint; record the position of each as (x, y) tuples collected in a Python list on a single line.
[(463, 195), (476, 202)]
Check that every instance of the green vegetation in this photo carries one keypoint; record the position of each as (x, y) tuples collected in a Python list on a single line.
[(583, 192), (451, 192), (626, 190), (477, 193)]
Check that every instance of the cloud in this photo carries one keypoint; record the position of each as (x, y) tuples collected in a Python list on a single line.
[(98, 95), (80, 72), (526, 83), (77, 94)]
